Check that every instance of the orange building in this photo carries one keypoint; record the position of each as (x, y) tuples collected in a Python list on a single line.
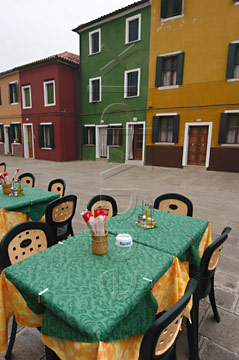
[(10, 114), (193, 101)]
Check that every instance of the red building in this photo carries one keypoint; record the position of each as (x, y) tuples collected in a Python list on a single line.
[(49, 100)]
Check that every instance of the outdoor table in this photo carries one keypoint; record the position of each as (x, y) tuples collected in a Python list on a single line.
[(182, 236), (30, 206), (96, 305)]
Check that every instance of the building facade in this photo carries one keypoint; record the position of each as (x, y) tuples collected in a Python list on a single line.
[(114, 52), (193, 102), (48, 109)]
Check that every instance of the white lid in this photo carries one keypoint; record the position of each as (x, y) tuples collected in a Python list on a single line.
[(124, 240)]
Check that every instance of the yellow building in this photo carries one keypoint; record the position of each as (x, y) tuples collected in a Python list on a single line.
[(193, 97), (10, 114)]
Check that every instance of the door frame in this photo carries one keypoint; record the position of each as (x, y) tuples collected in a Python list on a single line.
[(26, 150), (6, 141), (97, 152), (186, 141), (127, 131)]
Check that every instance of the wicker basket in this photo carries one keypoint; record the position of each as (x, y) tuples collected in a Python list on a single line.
[(99, 243), (6, 188)]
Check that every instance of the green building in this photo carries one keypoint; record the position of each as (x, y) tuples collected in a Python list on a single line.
[(114, 53)]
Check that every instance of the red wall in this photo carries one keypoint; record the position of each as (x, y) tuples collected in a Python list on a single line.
[(63, 115)]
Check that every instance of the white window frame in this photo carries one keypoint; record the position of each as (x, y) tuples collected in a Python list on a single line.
[(46, 147), (90, 41), (89, 126), (90, 89), (45, 83), (165, 142), (127, 21), (176, 16), (126, 83), (24, 99), (14, 82)]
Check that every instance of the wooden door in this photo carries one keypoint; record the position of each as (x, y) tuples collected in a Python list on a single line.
[(29, 141), (138, 142), (197, 147)]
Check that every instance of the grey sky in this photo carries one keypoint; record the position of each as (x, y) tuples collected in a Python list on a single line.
[(34, 29)]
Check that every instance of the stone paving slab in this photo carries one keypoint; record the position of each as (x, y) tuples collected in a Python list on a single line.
[(215, 198)]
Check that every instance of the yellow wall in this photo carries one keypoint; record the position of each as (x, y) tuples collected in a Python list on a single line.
[(203, 33), (9, 112)]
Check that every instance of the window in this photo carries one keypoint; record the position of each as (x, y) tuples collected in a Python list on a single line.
[(170, 8), (46, 135), (26, 97), (233, 61), (49, 93), (165, 129), (131, 83), (1, 133), (13, 92), (95, 89), (114, 135), (89, 135), (169, 69), (95, 42), (0, 97), (133, 29), (15, 133), (229, 129)]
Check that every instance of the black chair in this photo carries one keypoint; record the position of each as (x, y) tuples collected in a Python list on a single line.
[(103, 201), (20, 242), (59, 214), (205, 277), (27, 179), (58, 186), (174, 203), (3, 167), (159, 341)]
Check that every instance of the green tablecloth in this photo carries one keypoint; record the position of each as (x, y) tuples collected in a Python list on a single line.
[(33, 202), (175, 234), (91, 297)]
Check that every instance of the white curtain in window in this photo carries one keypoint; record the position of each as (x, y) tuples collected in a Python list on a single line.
[(130, 140), (103, 142)]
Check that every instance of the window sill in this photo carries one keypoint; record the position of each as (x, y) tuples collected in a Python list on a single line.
[(168, 87), (14, 103), (131, 97), (237, 3), (164, 143), (91, 145), (172, 18), (95, 102), (233, 79), (46, 105), (46, 148), (16, 143), (27, 107), (230, 145), (95, 53), (131, 42)]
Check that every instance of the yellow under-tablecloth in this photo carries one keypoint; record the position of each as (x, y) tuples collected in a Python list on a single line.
[(8, 219)]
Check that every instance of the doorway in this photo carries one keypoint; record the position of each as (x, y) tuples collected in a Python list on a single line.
[(7, 136), (28, 141), (135, 143), (101, 141), (197, 145)]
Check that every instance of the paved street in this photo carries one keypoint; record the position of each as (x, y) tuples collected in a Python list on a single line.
[(215, 197)]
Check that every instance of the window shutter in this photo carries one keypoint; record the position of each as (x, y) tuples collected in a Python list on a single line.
[(178, 7), (40, 136), (223, 129), (10, 99), (95, 90), (120, 135), (179, 79), (85, 135), (52, 136), (159, 71), (133, 30), (230, 60), (155, 129), (163, 9), (95, 42), (19, 133), (109, 135), (12, 135), (94, 135), (175, 128), (16, 91), (2, 132)]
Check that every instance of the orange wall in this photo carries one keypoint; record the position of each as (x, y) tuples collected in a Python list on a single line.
[(9, 113), (203, 33)]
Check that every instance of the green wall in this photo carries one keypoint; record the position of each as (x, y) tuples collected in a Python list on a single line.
[(115, 58)]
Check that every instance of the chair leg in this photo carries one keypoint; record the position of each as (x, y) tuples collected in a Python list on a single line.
[(50, 354), (213, 301), (12, 339), (192, 331)]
